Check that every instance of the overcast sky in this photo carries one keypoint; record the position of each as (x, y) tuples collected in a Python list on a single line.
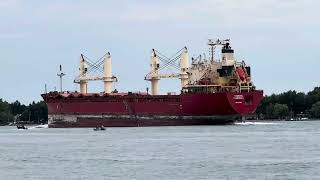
[(278, 38)]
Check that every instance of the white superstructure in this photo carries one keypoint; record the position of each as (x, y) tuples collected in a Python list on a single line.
[(225, 73)]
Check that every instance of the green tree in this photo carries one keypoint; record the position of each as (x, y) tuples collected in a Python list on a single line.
[(4, 106), (35, 112), (17, 108), (5, 117), (315, 110), (5, 114), (299, 103), (280, 111), (269, 111), (313, 97)]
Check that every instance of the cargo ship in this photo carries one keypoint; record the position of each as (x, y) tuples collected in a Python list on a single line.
[(213, 91)]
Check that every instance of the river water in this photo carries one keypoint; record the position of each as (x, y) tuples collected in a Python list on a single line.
[(261, 150)]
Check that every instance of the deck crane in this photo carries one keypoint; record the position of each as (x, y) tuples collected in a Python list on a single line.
[(102, 70), (154, 75)]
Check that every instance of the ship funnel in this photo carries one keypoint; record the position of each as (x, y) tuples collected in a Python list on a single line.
[(83, 71), (107, 73), (227, 55), (154, 63), (184, 67)]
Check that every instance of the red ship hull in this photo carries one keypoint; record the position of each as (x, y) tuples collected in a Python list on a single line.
[(127, 110)]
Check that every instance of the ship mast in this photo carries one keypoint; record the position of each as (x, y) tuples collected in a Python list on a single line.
[(60, 75), (213, 43)]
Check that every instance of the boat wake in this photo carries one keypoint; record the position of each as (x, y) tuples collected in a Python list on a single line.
[(255, 123), (39, 126)]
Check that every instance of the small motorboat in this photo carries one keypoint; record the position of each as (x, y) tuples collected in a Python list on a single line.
[(96, 129), (21, 127), (101, 128)]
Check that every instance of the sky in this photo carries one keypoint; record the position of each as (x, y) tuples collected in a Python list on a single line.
[(279, 39)]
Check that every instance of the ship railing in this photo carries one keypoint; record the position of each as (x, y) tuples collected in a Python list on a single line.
[(210, 88), (245, 87)]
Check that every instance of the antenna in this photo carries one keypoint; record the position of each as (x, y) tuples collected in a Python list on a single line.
[(61, 74), (213, 43), (45, 88)]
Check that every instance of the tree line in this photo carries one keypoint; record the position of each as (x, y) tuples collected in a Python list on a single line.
[(34, 113), (290, 104)]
